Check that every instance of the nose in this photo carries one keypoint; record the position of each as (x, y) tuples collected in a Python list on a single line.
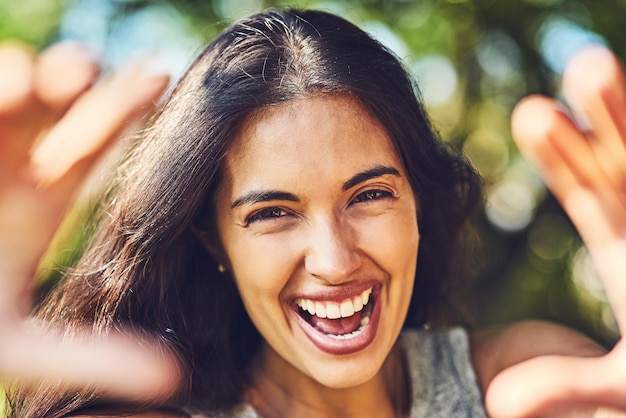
[(332, 254)]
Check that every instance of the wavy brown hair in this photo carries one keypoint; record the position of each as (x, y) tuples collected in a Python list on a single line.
[(145, 268)]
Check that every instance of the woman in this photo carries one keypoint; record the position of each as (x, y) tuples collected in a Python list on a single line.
[(287, 214)]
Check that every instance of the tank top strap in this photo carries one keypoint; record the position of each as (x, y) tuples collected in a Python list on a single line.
[(442, 377)]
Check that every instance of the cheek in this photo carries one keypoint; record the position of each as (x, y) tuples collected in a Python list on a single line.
[(392, 241), (261, 267)]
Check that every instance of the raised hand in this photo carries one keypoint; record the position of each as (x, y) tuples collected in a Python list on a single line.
[(56, 120), (584, 165)]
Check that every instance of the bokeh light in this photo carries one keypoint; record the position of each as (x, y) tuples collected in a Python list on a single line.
[(158, 29), (499, 57), (236, 9), (590, 290), (488, 151), (437, 78), (559, 38), (513, 199)]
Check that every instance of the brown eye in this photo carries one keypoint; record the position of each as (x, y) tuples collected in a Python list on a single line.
[(371, 195), (267, 214)]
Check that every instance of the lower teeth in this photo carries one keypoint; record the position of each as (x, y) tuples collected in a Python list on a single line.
[(364, 321)]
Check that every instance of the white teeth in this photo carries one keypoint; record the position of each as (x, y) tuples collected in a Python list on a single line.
[(310, 306), (365, 296), (347, 309), (320, 310), (335, 310)]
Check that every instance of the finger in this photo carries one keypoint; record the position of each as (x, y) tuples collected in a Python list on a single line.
[(549, 139), (553, 383), (63, 72), (541, 384), (96, 118), (125, 367), (519, 392), (19, 113), (606, 246), (60, 162), (610, 262), (595, 88), (31, 209), (16, 77), (530, 125)]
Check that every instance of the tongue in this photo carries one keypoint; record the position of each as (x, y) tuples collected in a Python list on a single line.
[(337, 326)]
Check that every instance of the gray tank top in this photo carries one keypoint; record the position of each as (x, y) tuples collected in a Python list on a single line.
[(442, 377)]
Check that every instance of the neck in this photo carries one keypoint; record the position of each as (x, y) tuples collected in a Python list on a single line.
[(280, 390)]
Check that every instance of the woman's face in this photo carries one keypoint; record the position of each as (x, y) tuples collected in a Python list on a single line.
[(318, 226)]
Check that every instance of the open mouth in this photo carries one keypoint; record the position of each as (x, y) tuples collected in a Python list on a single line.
[(341, 320), (340, 327)]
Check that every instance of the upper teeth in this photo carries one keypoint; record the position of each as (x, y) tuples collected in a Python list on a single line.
[(335, 310)]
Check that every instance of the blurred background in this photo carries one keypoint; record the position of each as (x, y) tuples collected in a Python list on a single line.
[(473, 59)]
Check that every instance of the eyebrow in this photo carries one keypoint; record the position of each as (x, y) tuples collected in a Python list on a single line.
[(378, 171), (263, 196), (258, 196)]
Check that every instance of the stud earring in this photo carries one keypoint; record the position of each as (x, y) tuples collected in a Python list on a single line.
[(221, 268)]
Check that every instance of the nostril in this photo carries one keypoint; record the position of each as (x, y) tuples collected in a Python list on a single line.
[(332, 261), (332, 253)]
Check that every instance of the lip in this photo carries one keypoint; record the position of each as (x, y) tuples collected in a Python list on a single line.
[(335, 346), (339, 293)]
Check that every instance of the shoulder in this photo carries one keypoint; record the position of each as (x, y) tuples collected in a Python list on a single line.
[(496, 349)]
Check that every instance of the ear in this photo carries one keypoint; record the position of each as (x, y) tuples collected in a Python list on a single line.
[(211, 242)]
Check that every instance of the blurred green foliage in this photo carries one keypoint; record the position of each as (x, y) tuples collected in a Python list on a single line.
[(33, 21), (474, 59)]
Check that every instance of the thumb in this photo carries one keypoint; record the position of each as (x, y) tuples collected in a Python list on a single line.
[(549, 383)]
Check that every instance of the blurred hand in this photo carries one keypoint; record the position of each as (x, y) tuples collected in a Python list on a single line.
[(584, 165), (56, 119)]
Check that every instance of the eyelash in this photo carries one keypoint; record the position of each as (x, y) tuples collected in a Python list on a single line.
[(267, 214), (371, 195), (273, 213)]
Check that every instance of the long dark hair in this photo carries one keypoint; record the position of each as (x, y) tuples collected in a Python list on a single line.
[(145, 266)]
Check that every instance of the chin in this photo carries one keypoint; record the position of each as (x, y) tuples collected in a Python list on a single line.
[(343, 372)]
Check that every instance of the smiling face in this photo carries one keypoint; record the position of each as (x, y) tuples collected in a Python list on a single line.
[(318, 227)]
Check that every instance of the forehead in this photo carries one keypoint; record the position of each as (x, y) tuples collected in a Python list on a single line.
[(325, 136)]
